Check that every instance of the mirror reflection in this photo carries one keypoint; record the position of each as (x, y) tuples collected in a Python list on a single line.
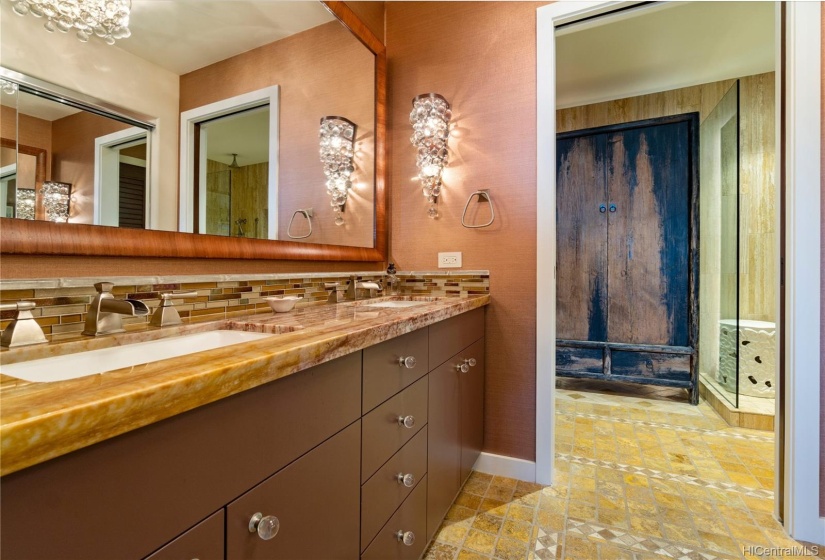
[(245, 165)]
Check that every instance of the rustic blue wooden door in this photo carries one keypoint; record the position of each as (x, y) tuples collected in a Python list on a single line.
[(627, 252)]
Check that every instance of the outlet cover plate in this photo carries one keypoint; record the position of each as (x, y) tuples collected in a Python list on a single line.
[(449, 260)]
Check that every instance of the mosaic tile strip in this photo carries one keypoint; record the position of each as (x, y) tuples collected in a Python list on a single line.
[(685, 478), (636, 542), (62, 306), (734, 435), (547, 544)]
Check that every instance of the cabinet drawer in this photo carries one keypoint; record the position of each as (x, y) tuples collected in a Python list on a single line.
[(672, 368), (204, 541), (451, 336), (383, 492), (166, 477), (411, 516), (384, 376), (383, 434), (316, 501)]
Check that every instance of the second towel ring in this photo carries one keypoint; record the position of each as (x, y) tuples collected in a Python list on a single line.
[(483, 195), (308, 213)]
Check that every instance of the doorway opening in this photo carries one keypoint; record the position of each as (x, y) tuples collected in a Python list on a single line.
[(557, 15)]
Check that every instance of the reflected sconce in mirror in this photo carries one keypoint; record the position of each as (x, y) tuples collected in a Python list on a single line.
[(430, 119), (108, 19), (337, 139), (24, 205), (56, 200)]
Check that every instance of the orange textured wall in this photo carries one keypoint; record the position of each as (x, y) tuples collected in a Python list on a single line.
[(73, 158), (822, 281), (481, 56)]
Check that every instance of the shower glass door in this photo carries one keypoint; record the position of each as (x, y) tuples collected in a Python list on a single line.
[(719, 236)]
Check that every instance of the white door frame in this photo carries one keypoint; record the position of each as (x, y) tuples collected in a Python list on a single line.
[(107, 163), (802, 252), (188, 120)]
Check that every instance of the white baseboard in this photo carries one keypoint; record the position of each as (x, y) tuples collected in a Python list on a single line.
[(511, 467)]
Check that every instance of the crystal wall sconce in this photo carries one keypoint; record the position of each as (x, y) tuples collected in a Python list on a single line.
[(337, 139), (430, 119), (24, 205), (56, 200)]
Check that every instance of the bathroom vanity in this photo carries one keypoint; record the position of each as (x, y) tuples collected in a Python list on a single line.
[(345, 438)]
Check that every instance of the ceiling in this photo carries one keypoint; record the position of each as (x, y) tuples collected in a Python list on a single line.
[(45, 109), (245, 134), (184, 35), (662, 47)]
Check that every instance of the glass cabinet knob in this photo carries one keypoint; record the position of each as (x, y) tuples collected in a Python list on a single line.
[(406, 537), (470, 362), (266, 527), (463, 368), (407, 480), (406, 421), (408, 362)]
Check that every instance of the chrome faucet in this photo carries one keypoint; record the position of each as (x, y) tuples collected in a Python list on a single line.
[(105, 313), (355, 285), (24, 330)]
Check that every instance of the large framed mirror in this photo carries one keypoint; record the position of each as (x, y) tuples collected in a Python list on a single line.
[(241, 129)]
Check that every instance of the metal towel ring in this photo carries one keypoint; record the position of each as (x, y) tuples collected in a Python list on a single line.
[(483, 195), (308, 215)]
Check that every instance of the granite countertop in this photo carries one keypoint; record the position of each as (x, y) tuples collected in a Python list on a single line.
[(40, 421)]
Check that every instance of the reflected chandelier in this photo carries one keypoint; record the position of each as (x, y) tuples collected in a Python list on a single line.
[(430, 119), (337, 139), (108, 19)]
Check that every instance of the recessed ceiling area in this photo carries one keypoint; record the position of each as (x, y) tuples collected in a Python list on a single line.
[(184, 35), (662, 47)]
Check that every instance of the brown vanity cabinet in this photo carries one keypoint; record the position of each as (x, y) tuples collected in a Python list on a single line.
[(204, 541), (307, 510), (359, 457), (456, 415)]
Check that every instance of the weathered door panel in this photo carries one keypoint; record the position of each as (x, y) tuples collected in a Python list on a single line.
[(648, 174), (581, 290)]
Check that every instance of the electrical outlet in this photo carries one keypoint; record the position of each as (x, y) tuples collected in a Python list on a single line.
[(449, 260)]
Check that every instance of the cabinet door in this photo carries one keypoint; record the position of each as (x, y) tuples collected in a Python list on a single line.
[(581, 252), (471, 390), (204, 541), (648, 181), (316, 500), (444, 445)]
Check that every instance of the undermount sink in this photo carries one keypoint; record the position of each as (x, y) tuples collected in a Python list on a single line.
[(395, 304), (81, 364)]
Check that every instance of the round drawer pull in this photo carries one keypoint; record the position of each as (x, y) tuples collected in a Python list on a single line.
[(407, 480), (408, 362), (266, 527), (463, 368), (470, 362), (406, 537), (406, 421)]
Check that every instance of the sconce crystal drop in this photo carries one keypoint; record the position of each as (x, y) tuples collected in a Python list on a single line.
[(337, 139), (56, 198), (24, 207), (9, 88), (430, 119), (108, 19)]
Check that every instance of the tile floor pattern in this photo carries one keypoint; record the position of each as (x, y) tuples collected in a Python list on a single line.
[(637, 479)]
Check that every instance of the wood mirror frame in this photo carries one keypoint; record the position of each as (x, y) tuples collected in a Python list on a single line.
[(32, 237)]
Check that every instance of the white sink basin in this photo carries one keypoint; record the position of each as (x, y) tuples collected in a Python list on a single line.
[(81, 364), (395, 304)]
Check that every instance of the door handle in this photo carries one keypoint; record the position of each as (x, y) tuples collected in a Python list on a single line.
[(602, 208), (612, 208)]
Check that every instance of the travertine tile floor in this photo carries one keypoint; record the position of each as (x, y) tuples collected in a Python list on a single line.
[(637, 478)]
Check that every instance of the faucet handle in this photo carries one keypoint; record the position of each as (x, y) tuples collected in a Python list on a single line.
[(104, 287), (24, 330)]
